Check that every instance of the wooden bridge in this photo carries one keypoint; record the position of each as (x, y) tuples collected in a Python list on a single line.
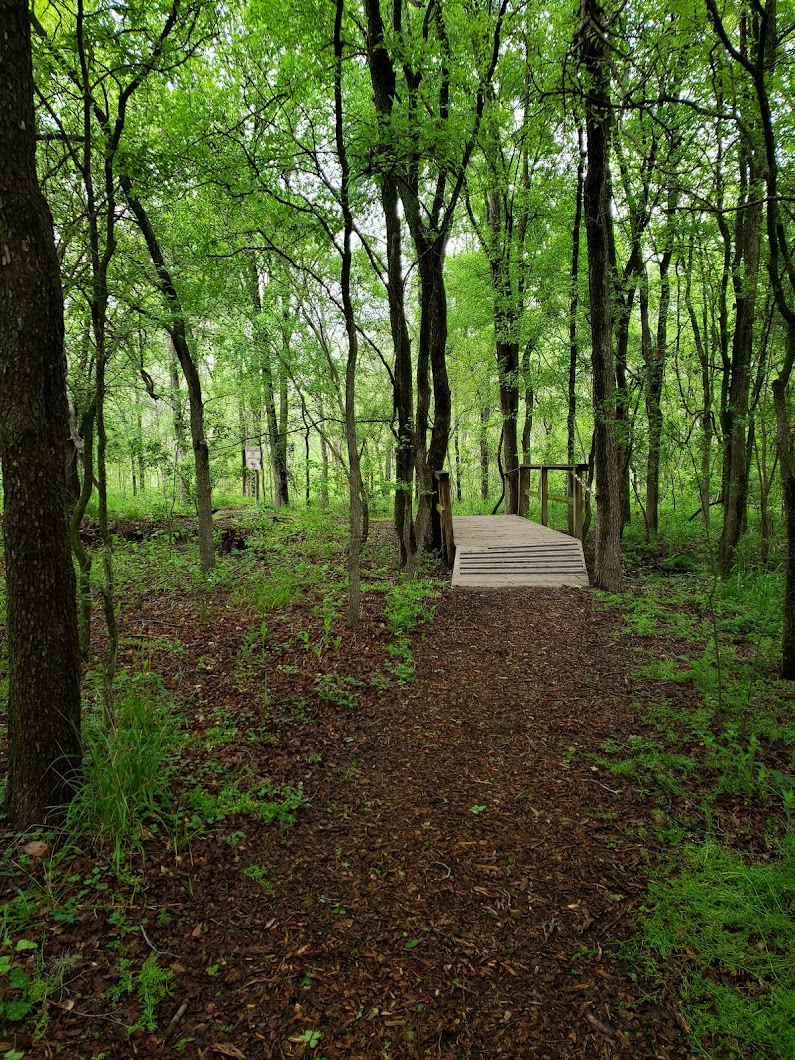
[(495, 551)]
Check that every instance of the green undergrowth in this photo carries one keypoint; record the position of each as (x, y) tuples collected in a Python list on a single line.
[(128, 766), (729, 925), (715, 743), (154, 788), (138, 793)]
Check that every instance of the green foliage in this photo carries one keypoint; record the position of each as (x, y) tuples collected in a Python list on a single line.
[(259, 875), (337, 688), (265, 803), (251, 666), (408, 604), (729, 923), (127, 768), (653, 767), (16, 1004), (150, 985), (725, 920), (742, 772)]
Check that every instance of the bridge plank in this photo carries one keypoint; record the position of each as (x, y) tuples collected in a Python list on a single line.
[(507, 550)]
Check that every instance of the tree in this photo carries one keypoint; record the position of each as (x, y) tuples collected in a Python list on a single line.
[(758, 65), (598, 225), (43, 652), (427, 130)]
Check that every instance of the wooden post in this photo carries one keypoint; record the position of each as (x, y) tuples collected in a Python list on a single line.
[(570, 483), (446, 515), (544, 495), (577, 497), (524, 486)]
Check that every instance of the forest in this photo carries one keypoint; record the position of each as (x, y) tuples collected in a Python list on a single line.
[(271, 787)]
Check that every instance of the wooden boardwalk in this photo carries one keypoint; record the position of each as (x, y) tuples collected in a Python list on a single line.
[(495, 551)]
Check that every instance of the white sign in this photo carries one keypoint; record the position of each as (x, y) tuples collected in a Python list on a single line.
[(253, 457)]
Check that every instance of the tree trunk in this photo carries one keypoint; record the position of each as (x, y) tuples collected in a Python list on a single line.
[(705, 462), (81, 553), (277, 441), (508, 369), (598, 221), (786, 456), (179, 337), (43, 652), (178, 421), (745, 276), (574, 303), (457, 444), (484, 453), (527, 426), (433, 352), (323, 461), (655, 374), (355, 483)]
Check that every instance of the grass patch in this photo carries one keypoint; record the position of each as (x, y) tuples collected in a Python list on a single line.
[(722, 742), (127, 770), (728, 924)]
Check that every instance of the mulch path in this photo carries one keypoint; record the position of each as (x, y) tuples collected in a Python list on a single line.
[(459, 884)]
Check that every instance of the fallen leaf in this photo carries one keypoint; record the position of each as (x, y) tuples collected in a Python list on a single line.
[(36, 848), (226, 1049)]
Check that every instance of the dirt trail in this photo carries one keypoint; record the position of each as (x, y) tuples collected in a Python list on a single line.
[(458, 884), (475, 868)]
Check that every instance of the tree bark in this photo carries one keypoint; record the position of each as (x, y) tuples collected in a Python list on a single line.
[(277, 441), (43, 652), (735, 414), (178, 421), (355, 484), (598, 222), (574, 303), (382, 77), (484, 453), (781, 270)]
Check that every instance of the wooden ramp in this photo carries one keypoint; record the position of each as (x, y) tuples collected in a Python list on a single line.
[(493, 551)]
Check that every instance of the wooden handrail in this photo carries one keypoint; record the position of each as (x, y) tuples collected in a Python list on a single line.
[(574, 498)]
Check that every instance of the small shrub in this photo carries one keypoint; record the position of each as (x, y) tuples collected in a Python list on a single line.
[(127, 770)]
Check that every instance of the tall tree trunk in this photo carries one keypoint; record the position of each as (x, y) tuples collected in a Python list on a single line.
[(458, 491), (108, 591), (429, 224), (323, 459), (355, 483), (508, 370), (81, 553), (781, 270), (786, 455), (745, 279), (529, 400), (705, 415), (574, 303), (178, 421), (282, 446), (433, 354), (485, 413), (655, 372), (598, 221), (277, 439), (42, 639), (179, 337)]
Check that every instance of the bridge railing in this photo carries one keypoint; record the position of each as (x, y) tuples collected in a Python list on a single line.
[(444, 502), (574, 496)]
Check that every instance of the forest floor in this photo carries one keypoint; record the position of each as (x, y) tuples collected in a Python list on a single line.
[(399, 842)]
